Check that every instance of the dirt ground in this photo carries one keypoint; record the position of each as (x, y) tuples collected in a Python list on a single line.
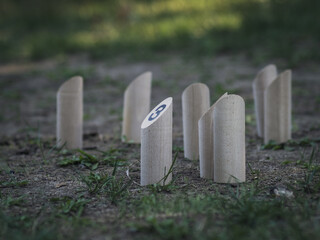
[(28, 124)]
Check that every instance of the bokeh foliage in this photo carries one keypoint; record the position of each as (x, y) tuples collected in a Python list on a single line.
[(36, 29)]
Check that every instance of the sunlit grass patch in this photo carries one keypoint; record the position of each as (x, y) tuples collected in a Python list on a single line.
[(106, 28), (110, 26)]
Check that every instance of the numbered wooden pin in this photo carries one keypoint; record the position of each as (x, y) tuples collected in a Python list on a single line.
[(277, 105), (195, 102), (264, 78), (156, 145), (136, 107), (229, 140), (70, 113), (206, 145)]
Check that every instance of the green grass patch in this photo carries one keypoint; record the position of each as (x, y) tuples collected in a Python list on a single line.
[(13, 183), (244, 213), (9, 201), (88, 160), (116, 188), (291, 144)]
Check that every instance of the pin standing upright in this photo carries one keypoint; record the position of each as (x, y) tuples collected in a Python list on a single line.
[(277, 106), (272, 98), (195, 102), (70, 113), (229, 140), (259, 85), (206, 142), (156, 145), (136, 106)]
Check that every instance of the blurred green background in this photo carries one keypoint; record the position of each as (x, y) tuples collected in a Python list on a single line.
[(37, 29)]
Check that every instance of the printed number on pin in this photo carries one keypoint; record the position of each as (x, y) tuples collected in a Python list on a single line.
[(157, 112)]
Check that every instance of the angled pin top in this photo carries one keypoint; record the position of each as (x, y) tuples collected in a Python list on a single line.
[(265, 76), (141, 79), (74, 84), (156, 112)]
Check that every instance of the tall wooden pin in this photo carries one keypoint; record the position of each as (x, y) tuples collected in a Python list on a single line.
[(229, 140), (261, 82), (70, 113), (277, 105), (136, 107), (156, 145), (195, 102), (206, 145)]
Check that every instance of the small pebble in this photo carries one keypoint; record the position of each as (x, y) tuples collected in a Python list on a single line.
[(81, 166), (282, 192)]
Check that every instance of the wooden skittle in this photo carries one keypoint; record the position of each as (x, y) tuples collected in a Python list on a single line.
[(229, 140), (206, 145), (264, 78), (195, 102), (70, 113), (277, 106), (156, 145), (136, 106)]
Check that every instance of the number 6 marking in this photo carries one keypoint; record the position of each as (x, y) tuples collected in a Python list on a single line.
[(157, 112)]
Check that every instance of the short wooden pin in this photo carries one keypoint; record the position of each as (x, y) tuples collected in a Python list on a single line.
[(136, 107), (70, 113), (156, 145), (206, 145), (195, 102), (229, 140), (261, 82), (277, 105)]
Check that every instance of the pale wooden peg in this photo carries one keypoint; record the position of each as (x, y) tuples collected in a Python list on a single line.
[(263, 79), (206, 146), (70, 113), (156, 145), (229, 140), (136, 107), (195, 102), (277, 105)]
